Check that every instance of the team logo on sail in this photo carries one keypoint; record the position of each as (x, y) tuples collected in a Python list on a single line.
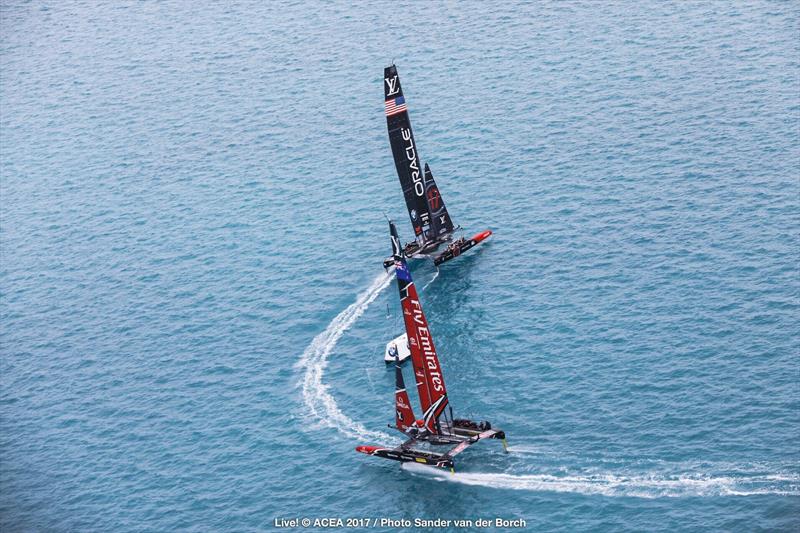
[(391, 86), (434, 200), (411, 155), (428, 351)]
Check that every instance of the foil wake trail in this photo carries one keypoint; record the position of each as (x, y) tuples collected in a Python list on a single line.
[(628, 485), (318, 400)]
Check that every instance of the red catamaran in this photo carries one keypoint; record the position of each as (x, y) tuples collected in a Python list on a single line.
[(435, 428)]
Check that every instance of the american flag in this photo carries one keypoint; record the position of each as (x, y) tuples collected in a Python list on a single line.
[(395, 106)]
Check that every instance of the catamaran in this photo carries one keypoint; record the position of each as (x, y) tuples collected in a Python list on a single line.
[(429, 217), (437, 428)]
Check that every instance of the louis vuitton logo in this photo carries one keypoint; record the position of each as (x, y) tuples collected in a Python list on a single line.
[(391, 85)]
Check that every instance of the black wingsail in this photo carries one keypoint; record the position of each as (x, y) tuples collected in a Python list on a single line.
[(441, 224), (404, 150)]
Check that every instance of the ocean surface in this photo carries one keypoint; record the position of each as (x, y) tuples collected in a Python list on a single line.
[(191, 235)]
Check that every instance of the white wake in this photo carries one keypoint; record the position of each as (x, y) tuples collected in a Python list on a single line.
[(435, 275), (319, 401), (639, 486), (323, 406)]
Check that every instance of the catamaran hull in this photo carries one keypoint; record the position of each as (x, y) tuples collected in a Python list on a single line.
[(459, 439), (454, 251), (412, 251), (406, 456)]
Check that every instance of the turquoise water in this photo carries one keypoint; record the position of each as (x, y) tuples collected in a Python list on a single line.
[(192, 228)]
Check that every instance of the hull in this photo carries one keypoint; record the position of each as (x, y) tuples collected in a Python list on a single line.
[(460, 435), (412, 250), (459, 247), (407, 456)]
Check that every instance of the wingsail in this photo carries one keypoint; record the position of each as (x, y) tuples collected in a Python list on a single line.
[(404, 150), (441, 225), (427, 370)]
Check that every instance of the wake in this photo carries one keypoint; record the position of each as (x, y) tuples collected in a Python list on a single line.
[(435, 275), (637, 486), (319, 401), (323, 406)]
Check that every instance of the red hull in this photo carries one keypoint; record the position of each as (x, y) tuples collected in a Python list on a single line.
[(369, 450), (478, 237)]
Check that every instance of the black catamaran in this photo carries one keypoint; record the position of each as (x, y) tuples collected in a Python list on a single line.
[(435, 428), (429, 217)]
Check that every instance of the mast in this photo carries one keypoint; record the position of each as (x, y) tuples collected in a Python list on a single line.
[(404, 151), (440, 219), (427, 370)]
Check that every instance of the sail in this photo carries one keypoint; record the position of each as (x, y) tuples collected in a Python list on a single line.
[(440, 219), (404, 415), (427, 370), (404, 150)]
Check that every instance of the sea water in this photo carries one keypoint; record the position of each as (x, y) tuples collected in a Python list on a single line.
[(192, 229)]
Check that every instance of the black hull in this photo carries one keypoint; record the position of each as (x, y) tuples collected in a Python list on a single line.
[(413, 251), (458, 437), (459, 247), (413, 456)]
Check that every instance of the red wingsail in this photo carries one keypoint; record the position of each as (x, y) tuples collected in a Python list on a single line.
[(427, 370)]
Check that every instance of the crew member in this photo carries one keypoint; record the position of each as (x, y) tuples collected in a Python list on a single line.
[(418, 429)]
